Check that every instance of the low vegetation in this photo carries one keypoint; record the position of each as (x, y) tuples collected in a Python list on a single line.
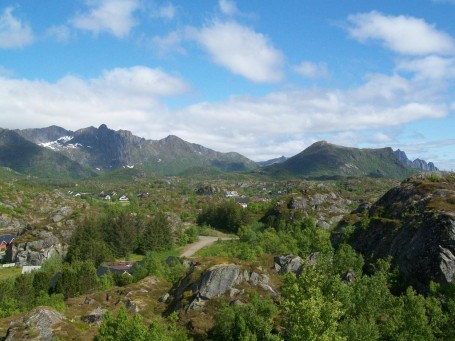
[(337, 294)]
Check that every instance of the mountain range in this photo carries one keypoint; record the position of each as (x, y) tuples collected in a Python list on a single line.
[(326, 160), (52, 151)]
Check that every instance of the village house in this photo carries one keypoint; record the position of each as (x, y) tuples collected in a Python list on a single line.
[(5, 241), (231, 194), (242, 202), (116, 268), (123, 198)]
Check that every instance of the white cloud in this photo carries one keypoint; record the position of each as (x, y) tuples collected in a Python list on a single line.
[(242, 51), (261, 126), (61, 33), (402, 34), (228, 7), (168, 43), (112, 16), (13, 32), (312, 70), (430, 67), (280, 123), (123, 98), (167, 12)]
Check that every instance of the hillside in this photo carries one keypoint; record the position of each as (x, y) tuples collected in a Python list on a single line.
[(326, 160), (414, 223), (104, 149), (28, 158)]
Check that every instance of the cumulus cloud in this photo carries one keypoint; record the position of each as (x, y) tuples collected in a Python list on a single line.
[(312, 70), (228, 7), (402, 34), (127, 98), (242, 51), (271, 120), (430, 67), (13, 32), (112, 16), (279, 123)]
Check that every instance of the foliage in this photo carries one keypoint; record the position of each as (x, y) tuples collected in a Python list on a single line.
[(29, 290), (117, 232), (125, 328), (309, 315), (106, 281), (77, 278), (152, 264), (155, 234), (226, 216), (252, 321)]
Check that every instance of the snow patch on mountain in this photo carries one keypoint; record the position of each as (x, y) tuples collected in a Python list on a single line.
[(57, 144)]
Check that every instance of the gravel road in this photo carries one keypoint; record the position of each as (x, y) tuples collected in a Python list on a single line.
[(202, 242)]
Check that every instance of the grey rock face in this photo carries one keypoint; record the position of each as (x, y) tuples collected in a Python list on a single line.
[(214, 282), (96, 316), (37, 325), (420, 238), (288, 263), (35, 252), (217, 280)]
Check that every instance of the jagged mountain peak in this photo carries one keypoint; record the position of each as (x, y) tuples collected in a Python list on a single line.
[(417, 163), (104, 148)]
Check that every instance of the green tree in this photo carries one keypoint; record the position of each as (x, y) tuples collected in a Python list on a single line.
[(308, 313), (125, 328), (226, 216), (155, 234), (77, 278), (120, 230), (252, 321)]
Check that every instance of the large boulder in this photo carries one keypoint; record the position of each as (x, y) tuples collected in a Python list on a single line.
[(218, 279), (39, 324), (214, 282)]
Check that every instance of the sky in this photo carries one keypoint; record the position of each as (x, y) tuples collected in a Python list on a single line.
[(262, 78)]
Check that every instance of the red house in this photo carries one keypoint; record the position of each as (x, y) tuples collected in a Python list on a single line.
[(5, 241)]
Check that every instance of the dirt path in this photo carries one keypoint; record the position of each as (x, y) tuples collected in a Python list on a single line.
[(202, 242)]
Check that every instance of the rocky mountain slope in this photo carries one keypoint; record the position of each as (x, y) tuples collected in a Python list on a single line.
[(280, 159), (326, 160), (417, 163), (26, 157), (103, 148), (415, 224)]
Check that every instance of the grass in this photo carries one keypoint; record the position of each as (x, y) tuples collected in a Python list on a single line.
[(136, 257), (6, 273)]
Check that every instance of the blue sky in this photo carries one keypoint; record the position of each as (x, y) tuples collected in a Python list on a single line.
[(263, 78)]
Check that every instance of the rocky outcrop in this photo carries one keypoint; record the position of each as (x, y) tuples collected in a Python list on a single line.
[(415, 224), (35, 252), (36, 325), (322, 203), (214, 282), (217, 280), (208, 190), (288, 263), (8, 222), (96, 316)]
